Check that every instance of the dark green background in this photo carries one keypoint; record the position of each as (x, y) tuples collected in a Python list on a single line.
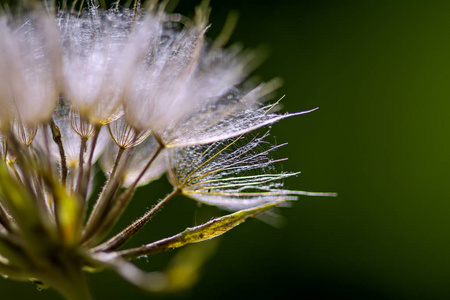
[(379, 71)]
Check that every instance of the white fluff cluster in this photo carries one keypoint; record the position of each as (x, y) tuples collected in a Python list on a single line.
[(141, 74), (30, 64)]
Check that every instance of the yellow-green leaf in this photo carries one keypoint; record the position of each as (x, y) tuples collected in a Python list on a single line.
[(199, 233)]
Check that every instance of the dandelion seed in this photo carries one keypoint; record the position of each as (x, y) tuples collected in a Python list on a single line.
[(125, 136), (231, 175)]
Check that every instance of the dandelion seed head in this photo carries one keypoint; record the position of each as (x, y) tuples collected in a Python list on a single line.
[(144, 93)]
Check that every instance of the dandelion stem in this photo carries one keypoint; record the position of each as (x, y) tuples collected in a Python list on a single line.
[(16, 173), (111, 186), (5, 219), (47, 148), (81, 162), (107, 194), (89, 164), (4, 153), (25, 164), (116, 162), (72, 177), (100, 223), (57, 137), (126, 234), (136, 182), (40, 195)]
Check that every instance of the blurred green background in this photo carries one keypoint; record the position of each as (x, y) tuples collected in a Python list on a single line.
[(379, 71)]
